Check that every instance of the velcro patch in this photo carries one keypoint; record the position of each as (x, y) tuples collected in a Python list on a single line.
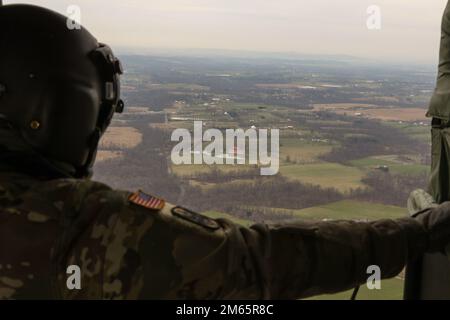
[(147, 201), (195, 218)]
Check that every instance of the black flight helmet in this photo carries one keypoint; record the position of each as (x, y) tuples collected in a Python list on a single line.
[(59, 87)]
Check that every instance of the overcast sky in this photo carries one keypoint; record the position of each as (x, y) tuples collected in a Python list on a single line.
[(409, 28)]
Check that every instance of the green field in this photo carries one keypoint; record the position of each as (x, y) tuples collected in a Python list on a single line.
[(326, 175), (353, 210), (391, 289), (395, 166), (296, 150), (409, 169), (420, 133), (345, 209)]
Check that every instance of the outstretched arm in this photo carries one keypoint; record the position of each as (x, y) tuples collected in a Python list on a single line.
[(308, 259), (174, 253)]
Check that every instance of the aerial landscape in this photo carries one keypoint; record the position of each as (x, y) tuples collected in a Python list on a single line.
[(354, 138), (233, 158)]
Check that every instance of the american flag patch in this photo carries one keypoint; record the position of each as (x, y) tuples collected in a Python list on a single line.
[(145, 200)]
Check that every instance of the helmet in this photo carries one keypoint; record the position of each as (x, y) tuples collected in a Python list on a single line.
[(59, 87)]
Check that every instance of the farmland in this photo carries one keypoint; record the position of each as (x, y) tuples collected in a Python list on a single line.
[(354, 140), (327, 175), (391, 113)]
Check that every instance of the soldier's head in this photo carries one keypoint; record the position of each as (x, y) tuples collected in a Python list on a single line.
[(59, 87)]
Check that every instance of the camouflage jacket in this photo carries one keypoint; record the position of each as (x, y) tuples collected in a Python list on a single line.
[(133, 246)]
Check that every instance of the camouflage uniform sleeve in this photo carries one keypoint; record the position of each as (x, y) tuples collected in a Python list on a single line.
[(129, 251), (309, 259), (132, 252)]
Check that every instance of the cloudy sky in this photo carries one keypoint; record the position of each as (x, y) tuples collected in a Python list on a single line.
[(409, 28)]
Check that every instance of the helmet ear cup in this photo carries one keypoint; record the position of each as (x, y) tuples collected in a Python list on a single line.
[(110, 69)]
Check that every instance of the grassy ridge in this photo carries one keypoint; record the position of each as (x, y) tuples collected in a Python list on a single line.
[(352, 210), (346, 209), (326, 175), (391, 289)]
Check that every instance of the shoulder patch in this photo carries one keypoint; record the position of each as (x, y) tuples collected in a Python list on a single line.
[(147, 201), (196, 218)]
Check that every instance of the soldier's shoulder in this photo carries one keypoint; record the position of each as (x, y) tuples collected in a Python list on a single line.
[(72, 185), (93, 194), (176, 216), (68, 194)]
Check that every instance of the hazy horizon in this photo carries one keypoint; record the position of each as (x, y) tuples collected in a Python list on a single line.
[(410, 30), (199, 53)]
